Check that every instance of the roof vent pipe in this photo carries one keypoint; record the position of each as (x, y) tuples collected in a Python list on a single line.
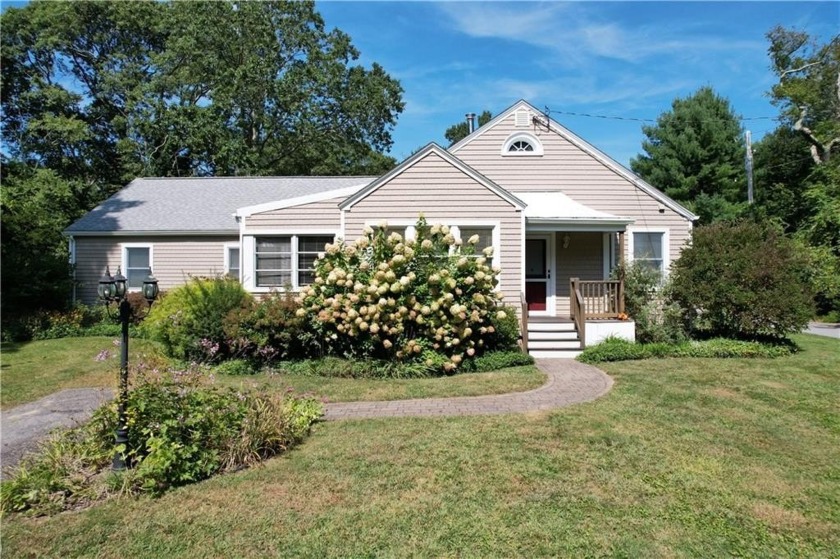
[(471, 122)]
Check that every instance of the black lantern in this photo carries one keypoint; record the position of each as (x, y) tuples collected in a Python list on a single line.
[(114, 289), (107, 289), (150, 288)]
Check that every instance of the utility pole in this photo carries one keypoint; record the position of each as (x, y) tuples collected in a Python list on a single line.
[(749, 164)]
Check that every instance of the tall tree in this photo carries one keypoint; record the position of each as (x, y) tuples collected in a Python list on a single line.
[(808, 91), (782, 165), (695, 154), (96, 93), (458, 132), (806, 146), (224, 88)]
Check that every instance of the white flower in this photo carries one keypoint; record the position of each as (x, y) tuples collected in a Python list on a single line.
[(426, 245), (473, 240), (444, 229), (368, 230), (387, 344), (501, 315), (435, 229), (488, 251)]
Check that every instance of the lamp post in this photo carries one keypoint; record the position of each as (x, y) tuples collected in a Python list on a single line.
[(113, 289)]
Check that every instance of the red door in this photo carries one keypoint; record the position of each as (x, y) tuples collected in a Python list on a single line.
[(537, 273)]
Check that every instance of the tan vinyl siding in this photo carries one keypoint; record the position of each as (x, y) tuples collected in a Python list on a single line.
[(582, 259), (566, 168), (173, 259), (323, 215), (444, 194)]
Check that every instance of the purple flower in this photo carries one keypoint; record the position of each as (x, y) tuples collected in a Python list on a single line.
[(102, 355)]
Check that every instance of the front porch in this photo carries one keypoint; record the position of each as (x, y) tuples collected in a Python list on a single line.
[(568, 299), (597, 312)]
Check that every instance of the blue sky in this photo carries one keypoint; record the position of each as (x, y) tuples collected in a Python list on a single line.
[(617, 59)]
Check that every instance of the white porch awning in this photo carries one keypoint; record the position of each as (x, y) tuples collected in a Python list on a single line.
[(558, 211)]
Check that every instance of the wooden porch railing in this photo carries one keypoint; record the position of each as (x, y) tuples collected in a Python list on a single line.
[(523, 330), (594, 300), (577, 310), (599, 299)]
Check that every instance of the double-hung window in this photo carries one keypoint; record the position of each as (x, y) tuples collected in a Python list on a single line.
[(649, 249), (287, 261), (137, 264), (232, 260)]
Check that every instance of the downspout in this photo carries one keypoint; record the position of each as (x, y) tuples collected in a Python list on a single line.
[(71, 246)]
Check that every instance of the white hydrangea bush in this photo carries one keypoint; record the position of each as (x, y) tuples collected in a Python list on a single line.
[(428, 299)]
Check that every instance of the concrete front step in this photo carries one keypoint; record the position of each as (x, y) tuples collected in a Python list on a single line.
[(554, 353), (551, 327), (553, 344), (570, 335)]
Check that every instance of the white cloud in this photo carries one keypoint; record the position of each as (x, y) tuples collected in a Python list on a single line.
[(577, 33)]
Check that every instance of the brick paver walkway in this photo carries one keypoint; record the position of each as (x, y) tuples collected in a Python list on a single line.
[(569, 382)]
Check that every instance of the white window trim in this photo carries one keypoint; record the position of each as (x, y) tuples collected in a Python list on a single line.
[(522, 137), (666, 245), (227, 247), (248, 256), (124, 260)]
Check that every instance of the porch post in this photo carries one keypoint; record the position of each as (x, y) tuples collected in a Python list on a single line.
[(621, 249)]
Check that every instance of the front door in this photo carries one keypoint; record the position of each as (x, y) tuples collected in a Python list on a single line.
[(538, 288)]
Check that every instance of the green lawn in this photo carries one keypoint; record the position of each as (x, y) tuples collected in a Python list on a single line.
[(35, 369), (513, 379), (31, 370), (683, 458)]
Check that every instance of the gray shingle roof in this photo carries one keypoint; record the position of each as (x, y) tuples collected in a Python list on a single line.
[(204, 204)]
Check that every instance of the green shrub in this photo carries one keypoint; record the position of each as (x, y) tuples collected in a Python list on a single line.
[(495, 360), (506, 335), (81, 320), (189, 320), (270, 329), (235, 367), (617, 349), (336, 367), (742, 280), (647, 302), (181, 430), (399, 300)]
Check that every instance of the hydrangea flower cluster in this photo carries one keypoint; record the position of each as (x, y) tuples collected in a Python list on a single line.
[(429, 298)]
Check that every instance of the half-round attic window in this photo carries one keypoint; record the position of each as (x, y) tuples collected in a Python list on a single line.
[(522, 144)]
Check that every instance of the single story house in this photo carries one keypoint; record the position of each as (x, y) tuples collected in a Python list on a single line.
[(559, 213)]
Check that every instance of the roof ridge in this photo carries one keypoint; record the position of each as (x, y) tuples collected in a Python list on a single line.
[(255, 177)]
